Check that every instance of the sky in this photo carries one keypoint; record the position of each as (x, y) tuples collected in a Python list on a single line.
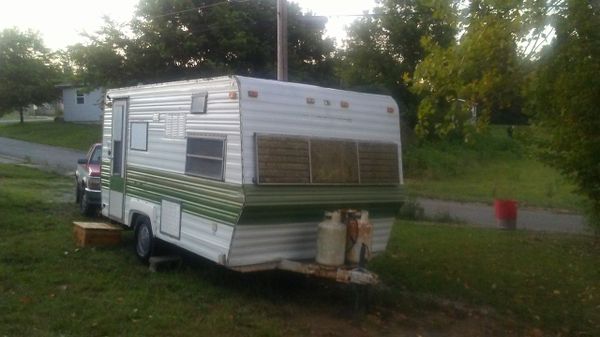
[(61, 22)]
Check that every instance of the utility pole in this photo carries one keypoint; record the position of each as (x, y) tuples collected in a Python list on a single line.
[(282, 52)]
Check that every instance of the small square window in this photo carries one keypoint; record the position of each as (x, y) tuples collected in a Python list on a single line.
[(199, 103), (80, 97), (139, 136)]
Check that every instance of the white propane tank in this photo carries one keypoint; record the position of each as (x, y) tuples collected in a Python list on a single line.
[(331, 240), (359, 233)]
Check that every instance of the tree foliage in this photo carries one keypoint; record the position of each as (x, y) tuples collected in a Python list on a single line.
[(27, 74), (464, 84), (565, 97), (197, 38), (383, 47)]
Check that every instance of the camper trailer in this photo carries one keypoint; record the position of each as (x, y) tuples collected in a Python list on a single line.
[(241, 170)]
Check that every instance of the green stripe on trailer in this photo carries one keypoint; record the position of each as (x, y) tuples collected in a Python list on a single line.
[(221, 202), (273, 204)]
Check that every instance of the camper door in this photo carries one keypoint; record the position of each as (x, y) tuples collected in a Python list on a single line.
[(117, 156)]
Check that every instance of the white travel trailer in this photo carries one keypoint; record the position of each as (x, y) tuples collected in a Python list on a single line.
[(241, 170)]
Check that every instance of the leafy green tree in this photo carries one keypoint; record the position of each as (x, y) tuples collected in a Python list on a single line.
[(196, 38), (382, 48), (463, 84), (27, 74), (565, 97)]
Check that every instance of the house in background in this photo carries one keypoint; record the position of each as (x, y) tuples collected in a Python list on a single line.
[(80, 106)]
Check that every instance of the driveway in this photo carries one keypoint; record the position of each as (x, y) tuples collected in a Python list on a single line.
[(52, 158)]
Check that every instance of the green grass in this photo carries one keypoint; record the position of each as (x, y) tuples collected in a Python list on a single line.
[(70, 135), (494, 166), (551, 281), (48, 287)]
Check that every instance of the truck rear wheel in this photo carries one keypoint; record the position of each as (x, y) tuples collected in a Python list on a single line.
[(77, 193), (85, 207), (144, 240)]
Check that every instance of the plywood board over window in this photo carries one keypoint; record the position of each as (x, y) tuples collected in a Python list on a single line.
[(282, 160), (378, 163), (304, 160), (333, 161)]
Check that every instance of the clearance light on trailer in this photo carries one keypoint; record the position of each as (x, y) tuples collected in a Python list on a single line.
[(252, 93), (344, 104), (233, 94), (310, 100), (390, 109)]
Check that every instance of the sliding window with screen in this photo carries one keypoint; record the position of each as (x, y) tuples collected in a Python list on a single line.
[(322, 161)]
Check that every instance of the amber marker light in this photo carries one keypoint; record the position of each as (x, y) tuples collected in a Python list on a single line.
[(252, 93)]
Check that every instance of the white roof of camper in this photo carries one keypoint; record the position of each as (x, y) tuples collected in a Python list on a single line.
[(247, 83)]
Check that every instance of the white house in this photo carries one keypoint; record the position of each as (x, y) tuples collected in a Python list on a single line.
[(81, 106)]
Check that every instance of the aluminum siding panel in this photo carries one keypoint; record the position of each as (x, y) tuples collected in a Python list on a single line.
[(281, 108), (152, 103), (257, 244)]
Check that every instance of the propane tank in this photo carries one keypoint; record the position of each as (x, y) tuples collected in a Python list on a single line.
[(360, 232), (331, 240)]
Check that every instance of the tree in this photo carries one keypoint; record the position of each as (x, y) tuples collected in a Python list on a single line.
[(565, 98), (463, 84), (178, 39), (27, 75), (382, 48)]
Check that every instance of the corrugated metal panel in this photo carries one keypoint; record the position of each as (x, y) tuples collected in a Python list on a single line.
[(281, 108), (256, 244), (213, 200), (154, 103), (204, 237), (105, 167)]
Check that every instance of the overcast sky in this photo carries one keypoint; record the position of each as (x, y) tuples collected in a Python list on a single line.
[(61, 21)]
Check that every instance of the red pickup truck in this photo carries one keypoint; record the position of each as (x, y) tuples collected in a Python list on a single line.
[(87, 175)]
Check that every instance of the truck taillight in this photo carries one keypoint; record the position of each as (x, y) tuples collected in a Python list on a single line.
[(94, 183)]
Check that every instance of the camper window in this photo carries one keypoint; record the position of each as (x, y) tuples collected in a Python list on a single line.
[(302, 160), (199, 103), (205, 157), (139, 136)]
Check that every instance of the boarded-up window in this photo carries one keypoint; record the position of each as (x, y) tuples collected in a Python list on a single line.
[(378, 163), (205, 157), (333, 161), (282, 160), (302, 160)]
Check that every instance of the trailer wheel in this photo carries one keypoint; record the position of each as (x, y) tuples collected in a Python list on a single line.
[(144, 240)]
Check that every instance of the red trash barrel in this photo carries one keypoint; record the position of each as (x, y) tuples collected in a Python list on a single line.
[(506, 213)]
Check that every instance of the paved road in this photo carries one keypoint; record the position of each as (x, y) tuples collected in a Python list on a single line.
[(63, 160), (482, 215), (51, 158)]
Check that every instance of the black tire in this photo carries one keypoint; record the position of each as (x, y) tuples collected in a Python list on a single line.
[(144, 239), (77, 193), (85, 207)]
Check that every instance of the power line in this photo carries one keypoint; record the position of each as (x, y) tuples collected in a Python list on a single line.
[(198, 8)]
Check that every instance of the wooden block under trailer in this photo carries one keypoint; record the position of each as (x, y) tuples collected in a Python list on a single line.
[(96, 234)]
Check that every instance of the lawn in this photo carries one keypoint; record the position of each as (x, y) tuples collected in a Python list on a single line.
[(70, 135), (48, 287), (494, 166)]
